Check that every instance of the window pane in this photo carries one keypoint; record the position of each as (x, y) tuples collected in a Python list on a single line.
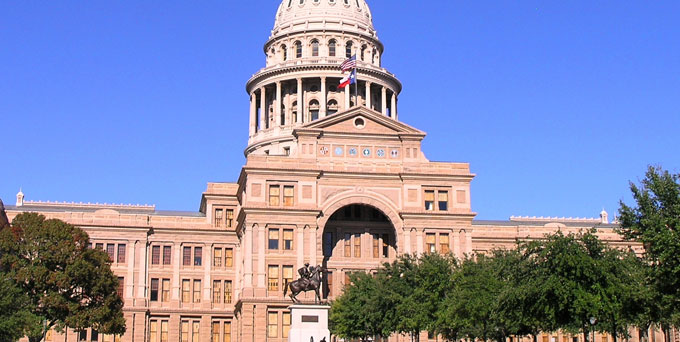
[(287, 275), (217, 291), (186, 256), (227, 292), (197, 291), (227, 332), (288, 239), (429, 199), (198, 256), (229, 257), (286, 324), (274, 193), (155, 255), (273, 239), (215, 331), (196, 333), (444, 243), (164, 331), (272, 325), (288, 196), (153, 331), (348, 245), (376, 245), (167, 254), (121, 253), (219, 213), (111, 250), (443, 200), (186, 290), (273, 278), (154, 290), (230, 218), (185, 331), (357, 245), (165, 297), (121, 286), (430, 242), (217, 257)]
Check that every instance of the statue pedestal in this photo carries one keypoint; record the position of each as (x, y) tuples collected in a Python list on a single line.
[(309, 323)]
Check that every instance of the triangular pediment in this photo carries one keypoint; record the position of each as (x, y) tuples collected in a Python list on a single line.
[(361, 120)]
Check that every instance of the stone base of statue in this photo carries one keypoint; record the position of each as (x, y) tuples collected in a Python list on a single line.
[(309, 323)]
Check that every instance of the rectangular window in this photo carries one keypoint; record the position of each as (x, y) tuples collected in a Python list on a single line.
[(154, 290), (227, 332), (121, 253), (273, 239), (348, 245), (217, 291), (273, 284), (186, 291), (196, 331), (429, 199), (288, 239), (184, 331), (155, 255), (164, 331), (430, 246), (274, 195), (444, 243), (186, 256), (217, 257), (95, 336), (198, 256), (287, 275), (286, 324), (227, 292), (273, 324), (385, 245), (197, 291), (121, 286), (219, 217), (357, 245), (443, 200), (228, 257), (288, 196), (215, 331), (165, 290), (230, 218), (153, 331), (111, 251), (167, 254), (99, 246), (376, 245)]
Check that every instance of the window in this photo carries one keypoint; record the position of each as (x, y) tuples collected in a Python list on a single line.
[(273, 324), (315, 48), (357, 245), (155, 255), (167, 254), (186, 256), (385, 245), (298, 49), (444, 243), (230, 218), (273, 239), (154, 290), (215, 331), (376, 245), (82, 335), (287, 275), (363, 52), (219, 217), (228, 257), (284, 52), (198, 256), (95, 336), (348, 50), (111, 251), (99, 246), (286, 324), (197, 291), (331, 48), (227, 291), (217, 257), (196, 331), (186, 291), (288, 196), (274, 194), (332, 106), (164, 331), (227, 332), (217, 291), (165, 290), (121, 286), (314, 109), (273, 274), (429, 199), (121, 253), (348, 245), (184, 331), (287, 239), (442, 198), (153, 331), (430, 242)]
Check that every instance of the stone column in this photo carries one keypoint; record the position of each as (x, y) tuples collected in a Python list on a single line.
[(253, 113), (419, 241), (277, 110), (368, 94), (300, 246), (141, 288), (312, 245), (323, 104), (456, 245), (393, 112), (468, 241), (347, 97), (261, 267), (176, 261), (263, 108), (383, 102), (248, 261), (300, 101), (407, 241), (207, 281), (129, 281)]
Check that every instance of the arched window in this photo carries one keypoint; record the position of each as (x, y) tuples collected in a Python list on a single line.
[(348, 49), (331, 48), (298, 49), (332, 107), (314, 110), (283, 115), (315, 48), (294, 113), (363, 52), (284, 52)]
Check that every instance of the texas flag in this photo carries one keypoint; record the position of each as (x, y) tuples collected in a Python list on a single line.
[(349, 79)]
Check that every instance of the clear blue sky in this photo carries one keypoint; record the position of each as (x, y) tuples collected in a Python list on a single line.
[(555, 104)]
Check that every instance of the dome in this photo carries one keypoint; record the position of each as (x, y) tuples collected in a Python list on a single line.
[(296, 15)]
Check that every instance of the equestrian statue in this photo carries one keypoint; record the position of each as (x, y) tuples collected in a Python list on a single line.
[(310, 280)]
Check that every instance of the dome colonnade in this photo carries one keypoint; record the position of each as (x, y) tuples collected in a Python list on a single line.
[(299, 83)]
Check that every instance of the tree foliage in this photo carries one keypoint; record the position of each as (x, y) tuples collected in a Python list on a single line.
[(65, 283)]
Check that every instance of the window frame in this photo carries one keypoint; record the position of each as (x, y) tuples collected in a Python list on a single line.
[(436, 199)]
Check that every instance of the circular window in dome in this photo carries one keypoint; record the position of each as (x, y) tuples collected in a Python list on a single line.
[(359, 123)]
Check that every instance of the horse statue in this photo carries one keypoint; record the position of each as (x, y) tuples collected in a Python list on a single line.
[(310, 282)]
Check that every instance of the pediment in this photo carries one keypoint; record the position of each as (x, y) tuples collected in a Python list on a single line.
[(361, 121)]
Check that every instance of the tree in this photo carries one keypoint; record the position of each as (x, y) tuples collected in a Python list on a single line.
[(66, 283), (358, 312), (16, 320), (654, 221)]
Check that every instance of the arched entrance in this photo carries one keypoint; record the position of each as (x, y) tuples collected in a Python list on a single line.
[(356, 238)]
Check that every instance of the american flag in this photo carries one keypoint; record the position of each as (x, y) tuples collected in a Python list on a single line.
[(349, 64)]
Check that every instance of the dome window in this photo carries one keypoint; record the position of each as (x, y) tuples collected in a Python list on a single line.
[(290, 2), (331, 48), (332, 2), (314, 110), (315, 48), (346, 2), (348, 49), (284, 52), (332, 107), (302, 2), (298, 49), (363, 52)]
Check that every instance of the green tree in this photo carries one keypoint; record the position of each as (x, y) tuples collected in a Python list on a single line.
[(16, 320), (654, 221), (67, 284), (358, 312)]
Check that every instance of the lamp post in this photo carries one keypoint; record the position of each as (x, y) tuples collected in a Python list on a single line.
[(593, 320)]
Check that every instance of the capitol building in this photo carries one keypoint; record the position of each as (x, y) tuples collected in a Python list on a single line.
[(332, 177)]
